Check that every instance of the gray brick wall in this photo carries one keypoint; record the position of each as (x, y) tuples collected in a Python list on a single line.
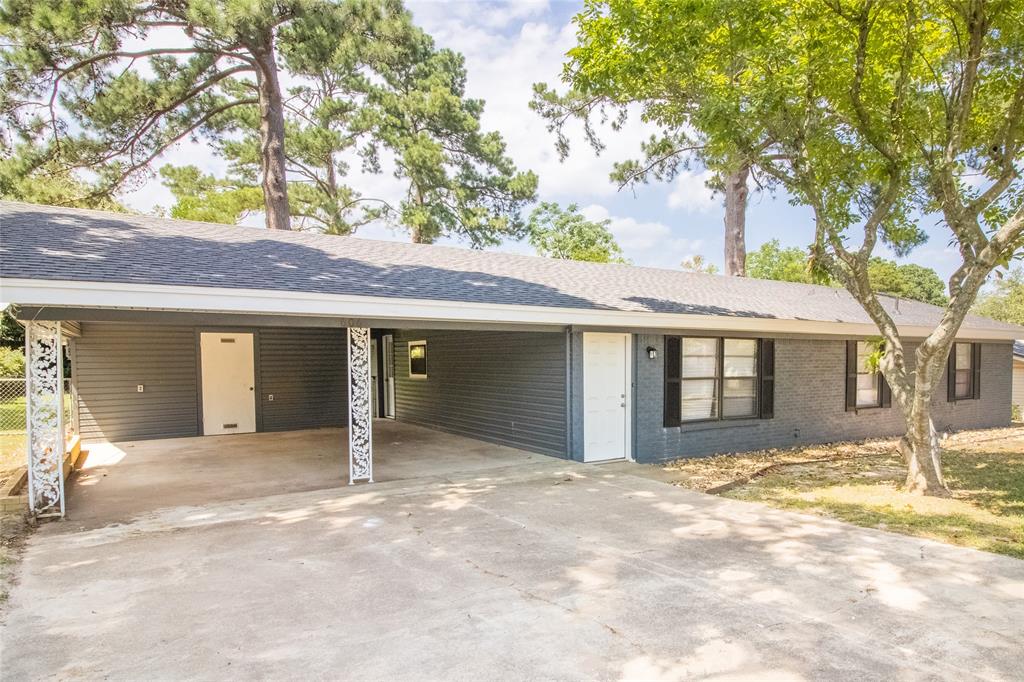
[(809, 404)]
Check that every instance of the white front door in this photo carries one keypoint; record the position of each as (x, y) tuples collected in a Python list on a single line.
[(606, 382), (229, 396)]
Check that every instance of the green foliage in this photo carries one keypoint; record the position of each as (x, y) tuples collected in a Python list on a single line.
[(911, 281), (26, 175), (832, 100), (386, 95), (792, 264), (1006, 300), (567, 235), (12, 362), (459, 179), (12, 334), (771, 261), (108, 86), (206, 198), (698, 264)]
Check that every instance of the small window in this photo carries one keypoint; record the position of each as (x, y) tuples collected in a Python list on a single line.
[(418, 359), (963, 371), (869, 392)]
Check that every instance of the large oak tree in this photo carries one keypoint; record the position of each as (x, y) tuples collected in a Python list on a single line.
[(875, 114)]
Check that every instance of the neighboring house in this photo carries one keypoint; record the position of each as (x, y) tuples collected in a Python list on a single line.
[(1018, 376), (181, 329)]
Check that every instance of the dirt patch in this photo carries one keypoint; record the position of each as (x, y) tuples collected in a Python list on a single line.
[(862, 483), (722, 472), (15, 527)]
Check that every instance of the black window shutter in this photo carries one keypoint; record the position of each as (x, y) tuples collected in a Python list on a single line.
[(951, 375), (976, 370), (851, 376), (673, 370), (884, 392), (766, 373)]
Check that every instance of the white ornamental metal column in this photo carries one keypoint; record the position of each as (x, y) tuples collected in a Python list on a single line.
[(360, 407), (44, 417)]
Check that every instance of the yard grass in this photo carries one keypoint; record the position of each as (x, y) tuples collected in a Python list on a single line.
[(861, 483), (12, 450)]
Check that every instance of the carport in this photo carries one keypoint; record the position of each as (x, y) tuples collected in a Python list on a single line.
[(122, 480), (187, 407)]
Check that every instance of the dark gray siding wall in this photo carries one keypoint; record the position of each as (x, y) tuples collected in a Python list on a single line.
[(110, 360), (304, 369), (502, 387), (809, 404)]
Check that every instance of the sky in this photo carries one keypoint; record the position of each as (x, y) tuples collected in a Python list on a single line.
[(509, 46)]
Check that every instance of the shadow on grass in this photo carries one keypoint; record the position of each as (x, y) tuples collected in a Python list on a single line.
[(986, 511)]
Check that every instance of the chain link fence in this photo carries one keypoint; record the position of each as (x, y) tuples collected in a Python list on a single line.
[(13, 439)]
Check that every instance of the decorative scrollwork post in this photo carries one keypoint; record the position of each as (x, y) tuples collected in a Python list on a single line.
[(360, 407), (44, 417)]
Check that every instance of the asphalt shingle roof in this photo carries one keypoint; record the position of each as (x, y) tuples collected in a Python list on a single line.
[(45, 242)]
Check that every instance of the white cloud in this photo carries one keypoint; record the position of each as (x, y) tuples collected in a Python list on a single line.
[(650, 243), (691, 193), (502, 68), (489, 14)]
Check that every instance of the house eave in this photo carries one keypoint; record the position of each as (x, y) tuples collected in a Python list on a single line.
[(150, 297)]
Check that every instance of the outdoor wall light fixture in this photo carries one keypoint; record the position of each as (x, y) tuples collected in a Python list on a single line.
[(652, 352)]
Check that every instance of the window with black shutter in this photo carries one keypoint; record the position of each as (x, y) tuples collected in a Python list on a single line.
[(713, 378), (964, 372)]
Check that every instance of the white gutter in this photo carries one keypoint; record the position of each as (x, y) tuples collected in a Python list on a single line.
[(126, 296)]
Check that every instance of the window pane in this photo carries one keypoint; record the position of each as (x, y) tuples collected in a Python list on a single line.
[(963, 356), (963, 382), (740, 358), (417, 359), (863, 353), (867, 379), (699, 399), (739, 398), (867, 390), (700, 357)]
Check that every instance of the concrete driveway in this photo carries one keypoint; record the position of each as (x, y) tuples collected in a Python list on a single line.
[(538, 570)]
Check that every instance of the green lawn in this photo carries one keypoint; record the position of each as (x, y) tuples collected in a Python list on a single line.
[(12, 433), (12, 450), (861, 484), (12, 414)]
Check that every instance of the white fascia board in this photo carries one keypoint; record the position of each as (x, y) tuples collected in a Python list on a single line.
[(65, 293)]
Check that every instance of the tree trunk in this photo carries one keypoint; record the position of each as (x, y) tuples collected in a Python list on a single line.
[(272, 158), (921, 451), (736, 222)]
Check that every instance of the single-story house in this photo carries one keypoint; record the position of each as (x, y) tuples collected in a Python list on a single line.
[(179, 328), (1018, 375)]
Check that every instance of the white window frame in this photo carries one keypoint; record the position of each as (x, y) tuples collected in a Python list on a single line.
[(409, 349)]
